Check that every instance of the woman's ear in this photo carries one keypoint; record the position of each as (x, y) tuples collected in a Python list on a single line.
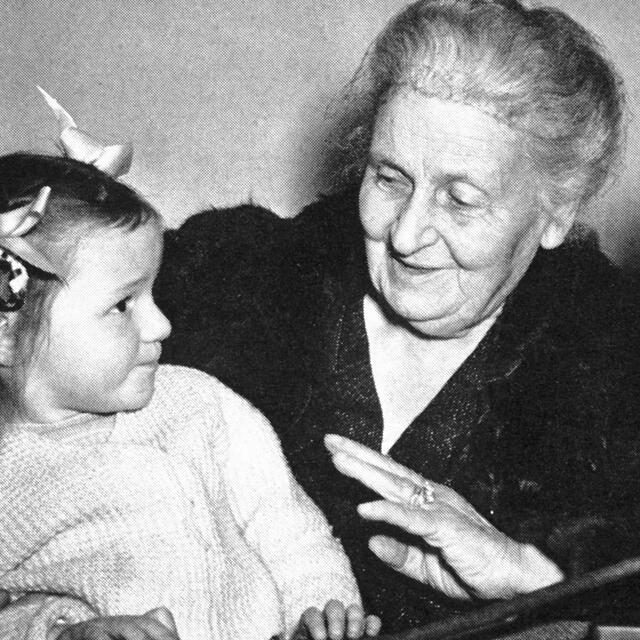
[(558, 225), (8, 321)]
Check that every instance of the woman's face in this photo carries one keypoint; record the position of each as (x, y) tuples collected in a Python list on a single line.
[(449, 210)]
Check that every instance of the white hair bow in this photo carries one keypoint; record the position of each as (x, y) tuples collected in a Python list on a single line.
[(16, 223), (114, 159)]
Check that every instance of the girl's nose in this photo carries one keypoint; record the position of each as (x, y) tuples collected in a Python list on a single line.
[(158, 326), (414, 228)]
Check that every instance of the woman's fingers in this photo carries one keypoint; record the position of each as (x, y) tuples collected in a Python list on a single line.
[(418, 564), (468, 557), (387, 484), (335, 622), (472, 556), (390, 479), (383, 475), (153, 625), (336, 444), (420, 522), (391, 551), (402, 557), (437, 522)]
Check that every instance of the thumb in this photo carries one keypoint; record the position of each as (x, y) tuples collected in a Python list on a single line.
[(417, 564), (391, 551), (164, 617)]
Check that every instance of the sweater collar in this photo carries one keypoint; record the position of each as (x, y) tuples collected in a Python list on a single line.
[(81, 429)]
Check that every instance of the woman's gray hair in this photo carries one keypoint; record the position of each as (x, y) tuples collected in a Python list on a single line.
[(536, 70)]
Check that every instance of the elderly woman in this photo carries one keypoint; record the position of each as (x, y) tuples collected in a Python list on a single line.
[(477, 336)]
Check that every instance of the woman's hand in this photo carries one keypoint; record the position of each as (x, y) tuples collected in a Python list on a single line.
[(157, 624), (336, 622), (465, 555)]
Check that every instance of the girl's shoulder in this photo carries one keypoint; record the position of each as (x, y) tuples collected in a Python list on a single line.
[(187, 406), (184, 402), (201, 413), (187, 390), (179, 388)]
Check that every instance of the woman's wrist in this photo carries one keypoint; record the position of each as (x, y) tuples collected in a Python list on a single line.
[(533, 570)]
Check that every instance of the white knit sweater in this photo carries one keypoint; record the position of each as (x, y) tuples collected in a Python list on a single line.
[(187, 503)]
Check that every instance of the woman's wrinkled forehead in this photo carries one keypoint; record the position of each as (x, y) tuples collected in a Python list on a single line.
[(451, 76), (411, 121)]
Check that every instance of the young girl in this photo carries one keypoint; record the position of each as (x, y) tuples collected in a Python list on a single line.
[(126, 485)]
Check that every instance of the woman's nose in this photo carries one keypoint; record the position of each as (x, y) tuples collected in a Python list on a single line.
[(414, 228)]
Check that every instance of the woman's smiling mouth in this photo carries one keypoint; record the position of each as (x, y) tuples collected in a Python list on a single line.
[(417, 267)]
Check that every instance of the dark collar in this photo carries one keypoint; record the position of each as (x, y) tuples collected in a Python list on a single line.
[(555, 295), (562, 299)]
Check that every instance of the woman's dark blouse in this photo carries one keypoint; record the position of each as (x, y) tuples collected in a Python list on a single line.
[(537, 429)]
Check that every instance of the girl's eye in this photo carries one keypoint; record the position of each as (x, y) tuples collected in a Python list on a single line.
[(122, 306)]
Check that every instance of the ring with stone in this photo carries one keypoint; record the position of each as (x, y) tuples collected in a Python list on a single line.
[(422, 495)]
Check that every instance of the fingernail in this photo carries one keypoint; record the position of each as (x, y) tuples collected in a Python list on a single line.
[(339, 458)]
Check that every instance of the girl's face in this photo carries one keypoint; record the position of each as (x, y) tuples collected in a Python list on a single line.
[(100, 354)]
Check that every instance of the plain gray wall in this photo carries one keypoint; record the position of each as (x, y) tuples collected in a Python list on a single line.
[(225, 100)]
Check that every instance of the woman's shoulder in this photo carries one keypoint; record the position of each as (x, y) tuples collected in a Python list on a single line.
[(250, 238), (573, 325), (577, 294), (570, 373), (246, 292), (567, 342)]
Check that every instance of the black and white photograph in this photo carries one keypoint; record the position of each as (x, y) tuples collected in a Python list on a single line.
[(320, 320)]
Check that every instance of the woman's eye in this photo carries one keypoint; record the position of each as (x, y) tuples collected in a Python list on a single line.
[(384, 178), (391, 180), (464, 195), (122, 306)]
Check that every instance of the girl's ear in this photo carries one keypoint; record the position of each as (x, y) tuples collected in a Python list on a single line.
[(8, 321)]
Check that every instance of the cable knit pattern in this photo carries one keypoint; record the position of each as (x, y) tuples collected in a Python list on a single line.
[(187, 503)]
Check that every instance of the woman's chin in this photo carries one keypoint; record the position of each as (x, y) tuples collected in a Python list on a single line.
[(431, 321), (441, 328), (420, 309)]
